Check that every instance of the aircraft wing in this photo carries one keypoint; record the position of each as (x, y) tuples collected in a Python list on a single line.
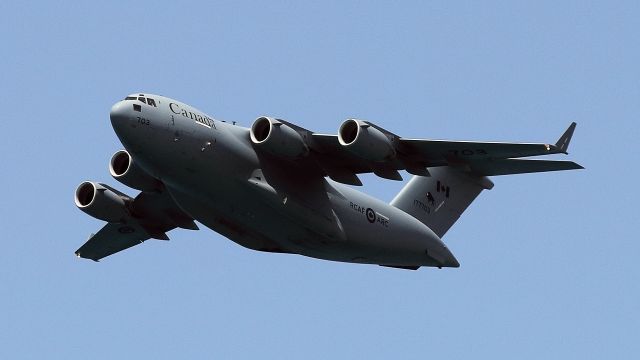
[(520, 166), (341, 165), (415, 155), (439, 150), (152, 214), (111, 239), (443, 150)]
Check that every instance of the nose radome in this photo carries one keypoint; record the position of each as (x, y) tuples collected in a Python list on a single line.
[(119, 114)]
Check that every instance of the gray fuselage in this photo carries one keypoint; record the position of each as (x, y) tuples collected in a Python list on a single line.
[(215, 175)]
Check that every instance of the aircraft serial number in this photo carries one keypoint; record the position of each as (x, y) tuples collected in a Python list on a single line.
[(143, 121), (468, 152)]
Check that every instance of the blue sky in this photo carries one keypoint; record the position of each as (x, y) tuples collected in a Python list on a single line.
[(548, 261)]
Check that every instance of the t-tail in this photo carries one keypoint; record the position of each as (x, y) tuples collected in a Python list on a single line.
[(438, 200)]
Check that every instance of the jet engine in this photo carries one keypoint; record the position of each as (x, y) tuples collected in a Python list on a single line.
[(102, 202), (124, 169), (278, 138), (365, 140)]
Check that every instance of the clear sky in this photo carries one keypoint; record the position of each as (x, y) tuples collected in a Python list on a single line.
[(549, 262)]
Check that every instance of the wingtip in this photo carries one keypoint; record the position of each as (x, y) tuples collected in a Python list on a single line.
[(562, 145), (575, 166), (78, 254)]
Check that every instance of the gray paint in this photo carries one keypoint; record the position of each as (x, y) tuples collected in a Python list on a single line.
[(213, 173)]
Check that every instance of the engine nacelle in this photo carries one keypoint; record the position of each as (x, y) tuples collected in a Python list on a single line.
[(278, 138), (124, 169), (365, 140), (102, 202)]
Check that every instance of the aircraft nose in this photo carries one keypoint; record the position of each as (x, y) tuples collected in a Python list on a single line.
[(119, 114), (122, 122)]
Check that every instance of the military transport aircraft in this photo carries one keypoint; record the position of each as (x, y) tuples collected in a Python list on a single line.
[(277, 187)]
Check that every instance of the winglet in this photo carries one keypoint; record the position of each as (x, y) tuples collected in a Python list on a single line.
[(563, 143)]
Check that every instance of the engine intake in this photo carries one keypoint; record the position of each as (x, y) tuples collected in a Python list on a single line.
[(124, 169), (364, 140), (101, 201), (277, 138)]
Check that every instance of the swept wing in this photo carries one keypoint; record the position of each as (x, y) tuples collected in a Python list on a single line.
[(415, 155), (149, 216)]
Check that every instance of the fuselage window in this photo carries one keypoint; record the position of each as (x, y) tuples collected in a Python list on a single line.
[(151, 102), (130, 98), (137, 107), (142, 99)]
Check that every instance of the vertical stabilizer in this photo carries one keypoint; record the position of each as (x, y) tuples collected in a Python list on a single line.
[(439, 200)]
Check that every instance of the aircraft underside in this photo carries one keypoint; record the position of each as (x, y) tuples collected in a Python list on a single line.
[(277, 187), (259, 227)]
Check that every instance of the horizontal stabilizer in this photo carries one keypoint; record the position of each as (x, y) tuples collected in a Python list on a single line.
[(517, 166)]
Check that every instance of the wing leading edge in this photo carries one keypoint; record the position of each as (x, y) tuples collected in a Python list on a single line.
[(415, 155)]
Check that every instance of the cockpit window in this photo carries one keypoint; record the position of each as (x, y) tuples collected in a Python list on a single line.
[(142, 99)]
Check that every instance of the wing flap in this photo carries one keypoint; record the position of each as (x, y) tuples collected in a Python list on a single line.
[(519, 166)]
